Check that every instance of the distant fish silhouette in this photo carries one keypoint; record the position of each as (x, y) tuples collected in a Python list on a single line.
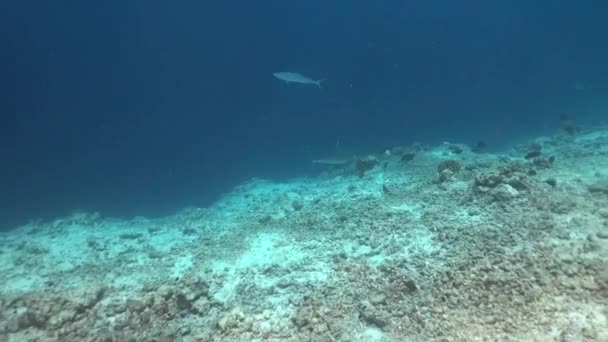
[(479, 146), (332, 162), (532, 154), (568, 125), (296, 77)]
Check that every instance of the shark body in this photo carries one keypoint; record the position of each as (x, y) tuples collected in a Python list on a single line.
[(296, 77)]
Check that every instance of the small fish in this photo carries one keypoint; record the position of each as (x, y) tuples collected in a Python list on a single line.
[(296, 77)]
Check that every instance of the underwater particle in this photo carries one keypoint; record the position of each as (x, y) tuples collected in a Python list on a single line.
[(365, 164), (532, 154)]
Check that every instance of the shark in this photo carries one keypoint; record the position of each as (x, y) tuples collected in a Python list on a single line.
[(296, 77), (331, 162)]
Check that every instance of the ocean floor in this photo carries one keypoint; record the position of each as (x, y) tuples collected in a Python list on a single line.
[(417, 243)]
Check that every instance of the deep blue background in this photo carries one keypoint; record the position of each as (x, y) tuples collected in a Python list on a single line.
[(143, 107)]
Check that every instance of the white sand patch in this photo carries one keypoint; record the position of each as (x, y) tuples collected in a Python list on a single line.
[(181, 266), (371, 335), (411, 210), (266, 251)]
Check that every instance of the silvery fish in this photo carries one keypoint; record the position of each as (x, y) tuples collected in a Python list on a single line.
[(296, 77)]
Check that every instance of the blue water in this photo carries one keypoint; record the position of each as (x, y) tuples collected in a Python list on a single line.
[(144, 107)]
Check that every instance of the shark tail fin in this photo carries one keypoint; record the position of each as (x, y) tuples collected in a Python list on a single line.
[(319, 83)]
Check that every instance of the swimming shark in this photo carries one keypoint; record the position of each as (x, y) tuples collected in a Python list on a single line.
[(331, 162), (296, 77)]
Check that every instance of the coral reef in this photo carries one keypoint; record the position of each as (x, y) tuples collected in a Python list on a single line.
[(452, 245)]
